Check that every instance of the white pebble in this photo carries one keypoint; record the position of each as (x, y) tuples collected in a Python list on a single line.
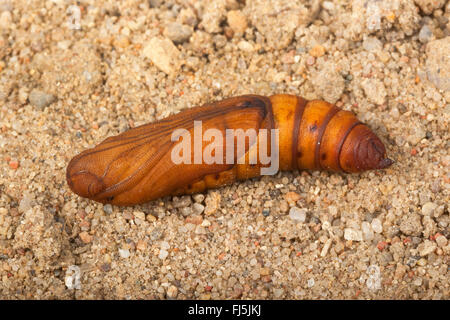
[(140, 215), (297, 214), (328, 5), (325, 248), (367, 231), (352, 234), (377, 227), (441, 241), (428, 208), (206, 223), (245, 46), (198, 198), (124, 253), (198, 208), (372, 44), (73, 276), (164, 245), (163, 254)]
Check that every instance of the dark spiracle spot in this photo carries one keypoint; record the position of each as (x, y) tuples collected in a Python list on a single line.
[(189, 186), (109, 199), (313, 127), (299, 154), (324, 156), (217, 176)]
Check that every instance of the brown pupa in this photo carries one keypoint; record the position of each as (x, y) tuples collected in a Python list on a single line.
[(137, 166)]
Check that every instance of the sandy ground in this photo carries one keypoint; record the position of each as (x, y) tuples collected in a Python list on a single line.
[(72, 75)]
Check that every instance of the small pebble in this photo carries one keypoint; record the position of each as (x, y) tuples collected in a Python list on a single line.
[(418, 282), (376, 225), (181, 202), (367, 231), (200, 230), (411, 225), (140, 215), (198, 197), (372, 44), (422, 262), (212, 202), (277, 293), (375, 90), (124, 253), (310, 60), (428, 208), (298, 214), (425, 34), (5, 20), (438, 63), (317, 51), (426, 248), (107, 208), (119, 42), (292, 197), (441, 241), (352, 234), (40, 99), (325, 248), (86, 237), (198, 208), (14, 164), (194, 219), (164, 54), (163, 254), (141, 245), (164, 245), (264, 271), (206, 223), (72, 279), (26, 203), (172, 292), (178, 32), (156, 234), (237, 21), (127, 215), (245, 46), (328, 5), (106, 267), (186, 211)]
